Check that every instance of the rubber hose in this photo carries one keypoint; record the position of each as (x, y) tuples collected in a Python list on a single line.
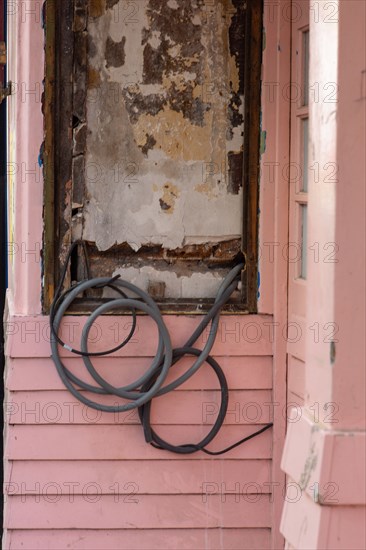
[(163, 359)]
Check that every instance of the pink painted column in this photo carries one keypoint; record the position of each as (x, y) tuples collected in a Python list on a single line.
[(273, 223), (324, 455), (349, 380), (25, 70)]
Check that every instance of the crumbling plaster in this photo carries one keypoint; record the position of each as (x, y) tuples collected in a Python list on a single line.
[(164, 123)]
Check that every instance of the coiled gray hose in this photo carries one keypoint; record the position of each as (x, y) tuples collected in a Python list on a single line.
[(163, 354), (142, 391)]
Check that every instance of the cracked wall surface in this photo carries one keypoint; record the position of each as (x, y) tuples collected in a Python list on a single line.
[(164, 123), (157, 137)]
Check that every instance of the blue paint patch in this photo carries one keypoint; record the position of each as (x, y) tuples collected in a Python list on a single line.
[(40, 156), (258, 285), (263, 141), (43, 16)]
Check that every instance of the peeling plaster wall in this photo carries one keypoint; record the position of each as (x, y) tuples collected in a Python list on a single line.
[(173, 286), (164, 123)]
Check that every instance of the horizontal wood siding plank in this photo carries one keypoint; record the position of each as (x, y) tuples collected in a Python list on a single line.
[(149, 511), (175, 408), (237, 335), (91, 442), (154, 539), (209, 476), (254, 372)]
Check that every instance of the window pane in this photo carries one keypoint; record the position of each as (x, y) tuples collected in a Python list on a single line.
[(305, 77), (305, 154), (304, 240)]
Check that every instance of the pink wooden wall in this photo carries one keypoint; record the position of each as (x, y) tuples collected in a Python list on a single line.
[(325, 452), (54, 442), (69, 473)]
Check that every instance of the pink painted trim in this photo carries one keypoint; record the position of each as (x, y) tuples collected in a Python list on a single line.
[(26, 136), (305, 524), (325, 450), (316, 458), (274, 225), (349, 377), (324, 45)]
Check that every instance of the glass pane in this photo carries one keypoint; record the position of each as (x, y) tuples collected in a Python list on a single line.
[(304, 241), (305, 45), (305, 154)]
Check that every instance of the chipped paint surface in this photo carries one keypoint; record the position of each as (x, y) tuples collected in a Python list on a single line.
[(163, 161), (175, 286)]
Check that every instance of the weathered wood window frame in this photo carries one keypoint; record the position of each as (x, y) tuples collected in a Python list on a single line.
[(65, 48)]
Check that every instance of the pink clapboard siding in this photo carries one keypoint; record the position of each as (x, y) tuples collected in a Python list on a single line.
[(76, 478), (153, 539)]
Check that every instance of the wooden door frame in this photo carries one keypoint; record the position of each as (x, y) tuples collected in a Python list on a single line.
[(62, 19), (278, 21), (274, 226)]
